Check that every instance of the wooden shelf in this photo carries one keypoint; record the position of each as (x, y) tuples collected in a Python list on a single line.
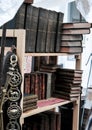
[(45, 108)]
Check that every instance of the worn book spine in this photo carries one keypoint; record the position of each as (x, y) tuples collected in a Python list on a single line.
[(20, 17), (28, 1), (51, 31), (71, 44), (58, 121), (31, 28), (71, 50), (58, 31), (41, 30), (75, 31), (27, 84), (76, 25), (48, 85), (69, 37)]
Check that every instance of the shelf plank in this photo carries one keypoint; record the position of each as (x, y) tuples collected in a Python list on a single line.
[(47, 54), (45, 108)]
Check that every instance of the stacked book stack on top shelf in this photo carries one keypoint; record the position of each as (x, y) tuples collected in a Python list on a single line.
[(72, 36)]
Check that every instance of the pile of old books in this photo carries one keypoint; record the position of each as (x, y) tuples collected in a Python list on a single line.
[(68, 83), (30, 102), (72, 36)]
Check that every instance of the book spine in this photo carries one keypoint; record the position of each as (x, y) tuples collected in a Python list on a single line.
[(51, 31), (41, 30), (31, 28), (58, 32)]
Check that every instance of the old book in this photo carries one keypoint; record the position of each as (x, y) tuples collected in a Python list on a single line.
[(31, 28), (75, 31), (29, 108), (71, 50), (51, 31), (69, 37), (69, 72), (67, 89), (71, 44), (29, 97), (52, 118), (20, 17), (58, 31), (58, 121), (42, 30), (67, 94), (76, 25), (32, 87), (28, 1), (29, 105), (27, 83)]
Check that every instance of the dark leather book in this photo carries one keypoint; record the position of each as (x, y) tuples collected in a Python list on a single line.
[(77, 37), (51, 31), (28, 1), (70, 72), (71, 44), (29, 108), (20, 17), (43, 86), (29, 105), (52, 119), (71, 50), (58, 121), (42, 30), (76, 25), (32, 87), (27, 83), (76, 31), (31, 28), (58, 31), (29, 96)]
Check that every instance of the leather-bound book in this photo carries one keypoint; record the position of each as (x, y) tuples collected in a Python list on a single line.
[(42, 30), (28, 1), (58, 34), (51, 31), (31, 28), (20, 17), (77, 37), (27, 83)]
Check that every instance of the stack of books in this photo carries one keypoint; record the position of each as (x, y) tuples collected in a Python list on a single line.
[(29, 102), (68, 83), (72, 36)]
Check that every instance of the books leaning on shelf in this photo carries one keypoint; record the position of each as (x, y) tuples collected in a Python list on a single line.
[(29, 102), (67, 83)]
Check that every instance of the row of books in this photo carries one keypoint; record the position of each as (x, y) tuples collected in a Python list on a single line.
[(42, 27), (29, 102), (48, 120), (38, 83), (67, 83), (72, 36)]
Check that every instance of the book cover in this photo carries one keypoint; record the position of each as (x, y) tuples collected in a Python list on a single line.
[(76, 25), (42, 30), (20, 17), (58, 31), (71, 44), (71, 50), (51, 31), (69, 37), (31, 28)]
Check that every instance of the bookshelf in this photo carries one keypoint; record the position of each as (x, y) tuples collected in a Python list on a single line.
[(20, 35)]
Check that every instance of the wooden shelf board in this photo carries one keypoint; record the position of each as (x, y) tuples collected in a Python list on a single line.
[(44, 108), (47, 54)]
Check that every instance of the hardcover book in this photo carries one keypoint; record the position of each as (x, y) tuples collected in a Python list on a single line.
[(42, 30), (51, 31), (31, 28), (58, 31)]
